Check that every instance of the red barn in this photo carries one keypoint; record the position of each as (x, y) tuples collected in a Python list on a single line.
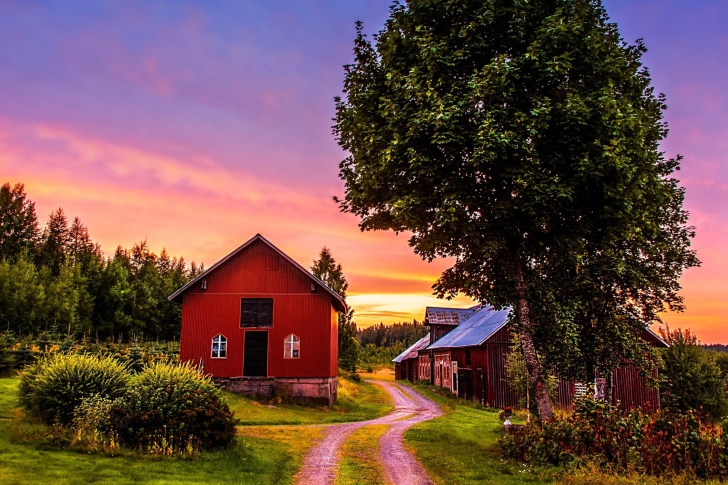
[(470, 360), (261, 323)]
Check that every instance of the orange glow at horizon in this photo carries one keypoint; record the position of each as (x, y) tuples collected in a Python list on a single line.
[(196, 127), (388, 283)]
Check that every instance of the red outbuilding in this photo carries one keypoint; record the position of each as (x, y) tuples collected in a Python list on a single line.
[(260, 323), (469, 358)]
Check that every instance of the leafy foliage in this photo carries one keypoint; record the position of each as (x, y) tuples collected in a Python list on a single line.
[(58, 278), (53, 387), (694, 378), (664, 443), (522, 140), (517, 377), (17, 353), (172, 402)]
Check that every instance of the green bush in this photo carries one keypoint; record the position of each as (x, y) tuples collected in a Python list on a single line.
[(173, 403), (664, 443), (55, 385), (695, 378)]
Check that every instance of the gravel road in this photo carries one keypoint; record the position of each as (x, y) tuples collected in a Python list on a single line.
[(410, 407)]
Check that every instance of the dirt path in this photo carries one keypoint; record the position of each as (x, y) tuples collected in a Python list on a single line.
[(410, 407)]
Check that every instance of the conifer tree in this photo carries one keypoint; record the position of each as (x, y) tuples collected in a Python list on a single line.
[(18, 222), (55, 241), (330, 272)]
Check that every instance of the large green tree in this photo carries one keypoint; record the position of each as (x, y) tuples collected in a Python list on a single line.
[(522, 140)]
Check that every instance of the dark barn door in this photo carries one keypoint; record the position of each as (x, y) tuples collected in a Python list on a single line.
[(255, 358), (465, 379)]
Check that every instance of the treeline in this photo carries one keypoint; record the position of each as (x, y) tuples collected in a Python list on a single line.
[(56, 279), (387, 335), (381, 343)]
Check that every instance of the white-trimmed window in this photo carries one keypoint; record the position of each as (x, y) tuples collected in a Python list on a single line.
[(219, 347), (292, 347)]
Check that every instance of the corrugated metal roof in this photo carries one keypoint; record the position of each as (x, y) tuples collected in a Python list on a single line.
[(474, 330), (411, 352), (447, 316), (337, 301)]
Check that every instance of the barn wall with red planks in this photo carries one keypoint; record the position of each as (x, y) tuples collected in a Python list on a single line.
[(258, 271), (631, 391), (334, 343)]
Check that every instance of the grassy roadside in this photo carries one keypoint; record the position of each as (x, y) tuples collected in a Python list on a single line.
[(360, 457), (358, 401), (460, 446), (262, 454)]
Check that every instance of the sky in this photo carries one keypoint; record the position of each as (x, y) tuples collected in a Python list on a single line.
[(196, 125)]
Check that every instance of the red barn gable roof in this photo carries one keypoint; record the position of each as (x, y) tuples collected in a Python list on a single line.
[(336, 300)]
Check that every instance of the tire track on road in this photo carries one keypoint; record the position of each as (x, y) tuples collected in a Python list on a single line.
[(321, 464)]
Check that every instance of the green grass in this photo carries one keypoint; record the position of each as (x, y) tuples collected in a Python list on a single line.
[(261, 455), (460, 446), (357, 402), (360, 457)]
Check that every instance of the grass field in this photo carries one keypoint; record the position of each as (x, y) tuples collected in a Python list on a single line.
[(262, 455), (357, 402), (460, 447)]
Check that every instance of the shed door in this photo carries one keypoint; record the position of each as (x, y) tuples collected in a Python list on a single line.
[(255, 358)]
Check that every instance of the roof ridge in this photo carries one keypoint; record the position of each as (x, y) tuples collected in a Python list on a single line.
[(257, 237)]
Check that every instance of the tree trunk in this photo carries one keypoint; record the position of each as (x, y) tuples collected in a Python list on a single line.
[(610, 388), (533, 366)]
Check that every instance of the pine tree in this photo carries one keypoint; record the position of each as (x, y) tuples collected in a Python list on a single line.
[(327, 270), (55, 242), (18, 222)]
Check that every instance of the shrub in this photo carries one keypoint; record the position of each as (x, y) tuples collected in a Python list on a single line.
[(694, 377), (55, 385), (664, 443), (172, 403)]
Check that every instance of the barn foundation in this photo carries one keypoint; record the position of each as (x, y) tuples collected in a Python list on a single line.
[(322, 390)]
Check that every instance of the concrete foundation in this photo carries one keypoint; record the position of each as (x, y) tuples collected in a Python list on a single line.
[(316, 389)]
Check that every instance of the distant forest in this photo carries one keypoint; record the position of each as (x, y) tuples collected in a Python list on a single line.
[(388, 335), (56, 279), (381, 343), (716, 347)]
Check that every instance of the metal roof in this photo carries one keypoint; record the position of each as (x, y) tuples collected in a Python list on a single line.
[(411, 352), (447, 316), (337, 301), (474, 330)]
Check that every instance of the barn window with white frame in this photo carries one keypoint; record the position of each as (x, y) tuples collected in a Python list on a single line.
[(292, 347), (219, 347)]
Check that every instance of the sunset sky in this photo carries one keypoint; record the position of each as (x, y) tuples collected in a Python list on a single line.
[(195, 125)]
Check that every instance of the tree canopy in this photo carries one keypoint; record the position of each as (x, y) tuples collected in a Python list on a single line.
[(58, 281), (522, 140)]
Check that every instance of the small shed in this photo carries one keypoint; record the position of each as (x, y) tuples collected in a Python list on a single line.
[(405, 364), (260, 323)]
